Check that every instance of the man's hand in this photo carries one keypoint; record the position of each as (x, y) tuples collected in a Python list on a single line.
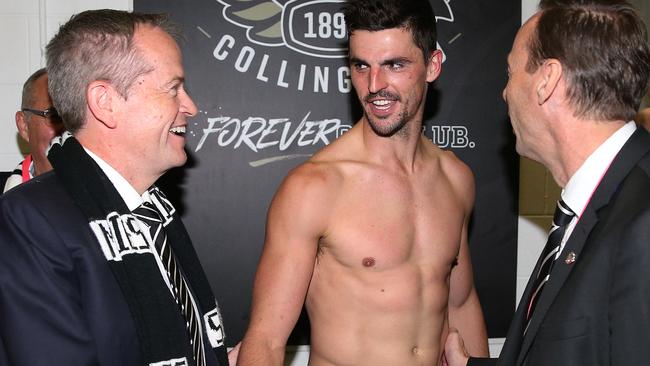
[(233, 354), (455, 353)]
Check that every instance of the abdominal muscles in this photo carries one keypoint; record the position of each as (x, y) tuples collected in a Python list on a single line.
[(375, 313)]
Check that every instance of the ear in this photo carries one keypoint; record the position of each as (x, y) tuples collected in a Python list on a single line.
[(21, 125), (101, 97), (550, 74), (434, 66)]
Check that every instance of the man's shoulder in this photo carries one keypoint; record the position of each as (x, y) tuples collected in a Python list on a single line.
[(454, 170), (41, 214), (42, 184), (313, 177), (452, 165), (644, 164), (43, 193)]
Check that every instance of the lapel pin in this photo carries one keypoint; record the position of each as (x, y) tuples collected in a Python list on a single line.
[(570, 258)]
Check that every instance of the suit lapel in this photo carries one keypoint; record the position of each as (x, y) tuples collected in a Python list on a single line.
[(513, 344), (633, 150), (559, 274)]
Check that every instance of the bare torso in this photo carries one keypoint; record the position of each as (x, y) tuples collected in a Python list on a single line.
[(378, 294)]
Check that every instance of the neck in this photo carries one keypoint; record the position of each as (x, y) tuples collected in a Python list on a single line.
[(41, 165), (113, 155), (575, 143), (401, 148)]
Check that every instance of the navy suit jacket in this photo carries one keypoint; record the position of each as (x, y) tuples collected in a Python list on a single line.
[(596, 310), (59, 301)]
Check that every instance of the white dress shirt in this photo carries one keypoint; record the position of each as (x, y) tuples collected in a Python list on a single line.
[(582, 184)]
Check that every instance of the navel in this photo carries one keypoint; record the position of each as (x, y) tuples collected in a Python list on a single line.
[(368, 262)]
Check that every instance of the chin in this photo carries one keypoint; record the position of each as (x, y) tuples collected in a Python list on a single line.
[(179, 160)]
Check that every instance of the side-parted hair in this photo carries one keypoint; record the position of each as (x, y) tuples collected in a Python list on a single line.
[(603, 48), (28, 96), (96, 45), (417, 16)]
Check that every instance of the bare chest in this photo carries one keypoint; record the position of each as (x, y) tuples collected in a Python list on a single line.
[(386, 223)]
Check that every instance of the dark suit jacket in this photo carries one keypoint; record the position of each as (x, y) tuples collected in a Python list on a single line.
[(59, 301), (596, 310)]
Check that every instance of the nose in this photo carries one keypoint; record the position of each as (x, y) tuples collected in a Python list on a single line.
[(377, 80), (503, 94), (187, 104)]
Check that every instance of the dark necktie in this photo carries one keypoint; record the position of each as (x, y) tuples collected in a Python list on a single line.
[(151, 215), (561, 220)]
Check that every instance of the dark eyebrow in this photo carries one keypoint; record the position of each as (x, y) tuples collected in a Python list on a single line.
[(396, 60), (388, 62)]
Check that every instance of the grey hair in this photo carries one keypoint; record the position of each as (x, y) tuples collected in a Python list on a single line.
[(96, 45)]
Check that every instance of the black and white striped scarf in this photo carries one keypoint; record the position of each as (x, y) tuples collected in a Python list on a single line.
[(159, 324)]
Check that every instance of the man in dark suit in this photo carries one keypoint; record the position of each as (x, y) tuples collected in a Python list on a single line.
[(577, 73), (96, 267)]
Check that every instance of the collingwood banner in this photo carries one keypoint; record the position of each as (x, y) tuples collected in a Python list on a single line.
[(271, 81)]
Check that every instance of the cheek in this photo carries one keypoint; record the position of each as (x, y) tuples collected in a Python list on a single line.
[(357, 81), (43, 132)]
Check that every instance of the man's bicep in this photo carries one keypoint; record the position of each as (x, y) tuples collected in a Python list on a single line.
[(286, 264), (461, 282), (465, 313)]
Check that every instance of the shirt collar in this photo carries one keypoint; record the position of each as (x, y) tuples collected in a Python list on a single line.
[(578, 191), (123, 187)]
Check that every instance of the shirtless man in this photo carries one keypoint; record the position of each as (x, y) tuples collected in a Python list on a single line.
[(371, 232)]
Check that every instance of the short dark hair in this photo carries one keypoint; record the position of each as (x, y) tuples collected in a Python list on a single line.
[(603, 48), (96, 45), (27, 100), (375, 15)]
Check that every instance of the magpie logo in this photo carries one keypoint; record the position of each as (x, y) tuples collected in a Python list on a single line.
[(312, 27), (294, 44)]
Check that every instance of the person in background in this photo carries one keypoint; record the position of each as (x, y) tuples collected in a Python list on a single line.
[(38, 123), (578, 70)]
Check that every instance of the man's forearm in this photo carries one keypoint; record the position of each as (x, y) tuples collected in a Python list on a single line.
[(260, 352)]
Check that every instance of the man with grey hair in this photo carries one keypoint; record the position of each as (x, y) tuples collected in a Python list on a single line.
[(578, 70), (38, 123), (96, 265)]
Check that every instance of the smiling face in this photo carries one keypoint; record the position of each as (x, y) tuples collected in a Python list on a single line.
[(390, 78), (157, 105)]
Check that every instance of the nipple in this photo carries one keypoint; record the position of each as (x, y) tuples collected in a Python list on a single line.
[(368, 262)]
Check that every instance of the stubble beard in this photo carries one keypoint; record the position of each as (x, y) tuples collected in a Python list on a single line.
[(399, 127)]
